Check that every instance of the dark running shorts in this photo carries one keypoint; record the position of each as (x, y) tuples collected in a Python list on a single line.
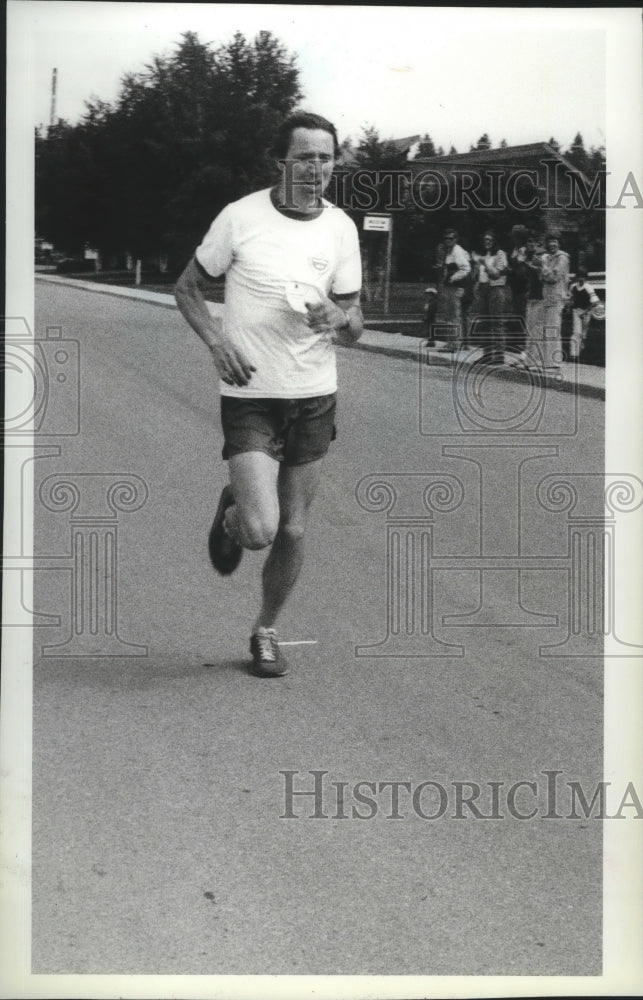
[(293, 431)]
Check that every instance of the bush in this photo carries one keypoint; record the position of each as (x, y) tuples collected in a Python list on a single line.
[(71, 265)]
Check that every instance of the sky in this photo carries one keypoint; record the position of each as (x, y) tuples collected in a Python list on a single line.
[(519, 75)]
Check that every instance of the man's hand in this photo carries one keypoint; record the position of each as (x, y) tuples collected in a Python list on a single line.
[(340, 324), (232, 365), (326, 318), (230, 362)]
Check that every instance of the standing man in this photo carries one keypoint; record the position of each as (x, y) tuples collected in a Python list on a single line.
[(490, 298), (455, 272), (518, 283), (583, 298), (555, 277), (293, 279)]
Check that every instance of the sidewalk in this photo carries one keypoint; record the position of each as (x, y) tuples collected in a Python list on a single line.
[(587, 380)]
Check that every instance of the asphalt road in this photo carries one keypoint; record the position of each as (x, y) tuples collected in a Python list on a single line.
[(159, 845)]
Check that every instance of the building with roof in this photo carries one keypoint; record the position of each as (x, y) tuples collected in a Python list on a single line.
[(407, 147), (532, 183)]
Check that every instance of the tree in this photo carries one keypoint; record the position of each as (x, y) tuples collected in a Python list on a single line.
[(426, 148), (588, 223), (375, 153), (596, 160), (484, 142), (346, 151), (577, 155), (187, 134)]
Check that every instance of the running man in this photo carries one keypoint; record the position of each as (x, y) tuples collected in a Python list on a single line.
[(293, 277)]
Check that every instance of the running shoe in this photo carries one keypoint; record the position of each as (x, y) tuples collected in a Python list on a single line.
[(225, 553), (267, 660)]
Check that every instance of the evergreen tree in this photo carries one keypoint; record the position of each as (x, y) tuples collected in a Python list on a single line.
[(484, 142), (577, 155), (596, 160), (188, 134), (372, 152), (588, 223), (426, 148)]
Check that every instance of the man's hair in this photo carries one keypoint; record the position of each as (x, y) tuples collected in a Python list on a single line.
[(453, 233), (302, 119)]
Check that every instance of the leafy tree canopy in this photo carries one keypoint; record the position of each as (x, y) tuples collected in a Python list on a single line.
[(187, 134)]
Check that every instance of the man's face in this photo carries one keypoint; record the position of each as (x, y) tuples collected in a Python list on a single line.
[(552, 245), (312, 155)]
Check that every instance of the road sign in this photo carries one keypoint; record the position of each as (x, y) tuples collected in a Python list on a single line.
[(377, 223), (383, 224)]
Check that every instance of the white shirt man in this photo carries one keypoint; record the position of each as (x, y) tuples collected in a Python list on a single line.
[(456, 268), (267, 258), (293, 279), (555, 278)]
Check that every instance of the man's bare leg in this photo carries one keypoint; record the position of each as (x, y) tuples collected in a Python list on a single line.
[(297, 486), (253, 519)]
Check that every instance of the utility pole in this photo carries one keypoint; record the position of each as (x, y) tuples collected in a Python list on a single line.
[(52, 113), (387, 272)]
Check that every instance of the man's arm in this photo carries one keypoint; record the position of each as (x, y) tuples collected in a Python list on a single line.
[(353, 323), (189, 292), (556, 268), (461, 259), (593, 297), (499, 265), (340, 317)]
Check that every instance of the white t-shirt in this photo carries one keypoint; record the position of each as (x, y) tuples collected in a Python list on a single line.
[(262, 253)]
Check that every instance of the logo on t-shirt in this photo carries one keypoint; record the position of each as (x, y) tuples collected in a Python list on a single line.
[(320, 264)]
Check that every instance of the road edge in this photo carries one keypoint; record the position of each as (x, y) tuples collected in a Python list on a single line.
[(371, 341)]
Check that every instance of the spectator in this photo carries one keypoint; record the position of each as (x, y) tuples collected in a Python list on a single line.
[(431, 293), (583, 297), (490, 299), (555, 276), (455, 271), (518, 284), (517, 277), (534, 310)]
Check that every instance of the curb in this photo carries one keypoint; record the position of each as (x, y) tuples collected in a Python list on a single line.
[(154, 298), (372, 344), (513, 374)]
